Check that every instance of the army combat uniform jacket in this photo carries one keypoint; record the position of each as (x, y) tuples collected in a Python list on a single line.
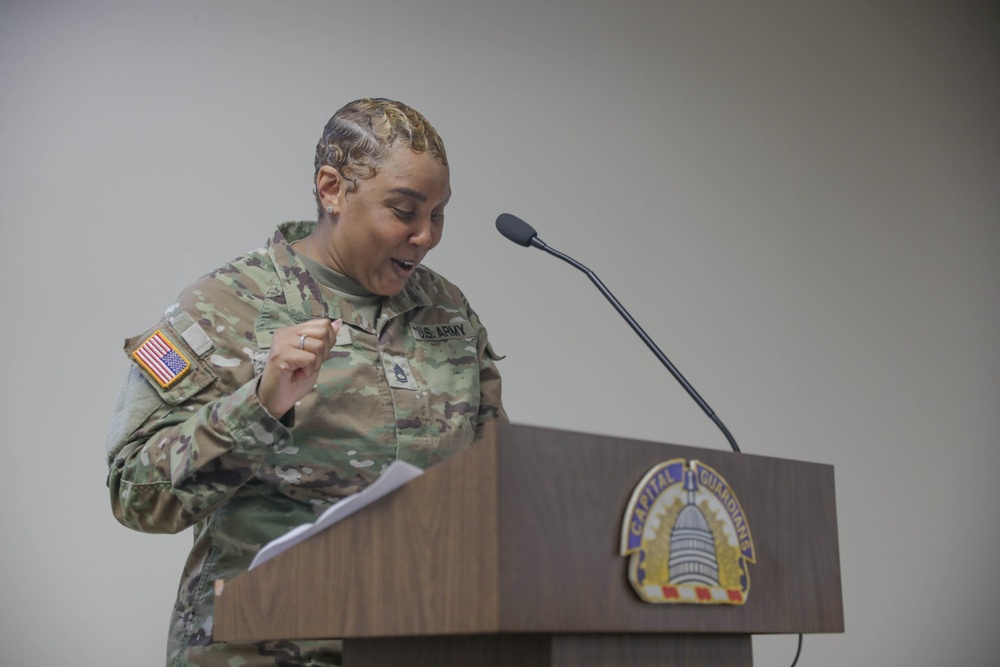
[(190, 445)]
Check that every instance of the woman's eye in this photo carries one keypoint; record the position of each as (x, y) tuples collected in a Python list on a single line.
[(403, 213)]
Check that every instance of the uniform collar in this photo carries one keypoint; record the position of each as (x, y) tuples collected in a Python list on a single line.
[(303, 299)]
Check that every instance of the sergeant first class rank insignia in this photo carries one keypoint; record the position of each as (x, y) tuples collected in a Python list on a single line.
[(687, 537)]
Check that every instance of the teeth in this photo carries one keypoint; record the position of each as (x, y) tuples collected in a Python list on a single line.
[(406, 265)]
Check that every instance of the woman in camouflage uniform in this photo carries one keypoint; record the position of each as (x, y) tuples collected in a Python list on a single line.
[(290, 377)]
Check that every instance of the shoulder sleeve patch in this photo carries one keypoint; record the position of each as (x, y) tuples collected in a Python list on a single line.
[(167, 361), (161, 359)]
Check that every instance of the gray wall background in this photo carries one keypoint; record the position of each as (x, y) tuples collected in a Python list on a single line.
[(798, 201)]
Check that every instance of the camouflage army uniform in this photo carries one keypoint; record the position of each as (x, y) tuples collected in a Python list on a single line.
[(417, 384)]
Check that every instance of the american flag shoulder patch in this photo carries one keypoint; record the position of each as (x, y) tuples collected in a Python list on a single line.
[(161, 359)]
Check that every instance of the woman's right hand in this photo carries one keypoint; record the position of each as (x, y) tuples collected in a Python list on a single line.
[(293, 363)]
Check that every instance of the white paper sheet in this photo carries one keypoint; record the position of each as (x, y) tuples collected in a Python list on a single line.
[(394, 476)]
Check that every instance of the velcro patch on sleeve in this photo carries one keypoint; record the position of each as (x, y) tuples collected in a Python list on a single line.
[(192, 333), (161, 359)]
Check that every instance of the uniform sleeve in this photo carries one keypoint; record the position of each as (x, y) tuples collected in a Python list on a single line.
[(490, 403), (175, 454)]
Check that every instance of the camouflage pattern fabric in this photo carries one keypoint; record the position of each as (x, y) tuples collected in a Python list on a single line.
[(199, 450)]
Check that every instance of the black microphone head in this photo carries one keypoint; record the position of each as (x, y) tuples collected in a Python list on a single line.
[(515, 229)]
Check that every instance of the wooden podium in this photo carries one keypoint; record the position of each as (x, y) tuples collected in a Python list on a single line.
[(508, 554)]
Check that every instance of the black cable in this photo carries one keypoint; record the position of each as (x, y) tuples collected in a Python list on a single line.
[(798, 652)]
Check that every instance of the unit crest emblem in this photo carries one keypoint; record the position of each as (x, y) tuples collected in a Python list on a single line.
[(687, 538)]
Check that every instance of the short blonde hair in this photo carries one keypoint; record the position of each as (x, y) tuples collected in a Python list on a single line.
[(358, 137)]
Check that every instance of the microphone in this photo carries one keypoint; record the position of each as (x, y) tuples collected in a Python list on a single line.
[(522, 233), (516, 230)]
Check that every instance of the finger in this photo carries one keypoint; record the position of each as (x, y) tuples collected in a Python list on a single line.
[(321, 341), (294, 352), (294, 360), (331, 333), (321, 329), (314, 347), (293, 338)]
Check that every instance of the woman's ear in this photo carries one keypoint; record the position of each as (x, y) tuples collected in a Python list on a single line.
[(329, 189)]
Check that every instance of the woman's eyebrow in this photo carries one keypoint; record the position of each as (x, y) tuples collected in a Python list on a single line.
[(409, 192)]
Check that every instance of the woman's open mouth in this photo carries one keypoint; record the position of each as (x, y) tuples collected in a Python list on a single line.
[(404, 267)]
